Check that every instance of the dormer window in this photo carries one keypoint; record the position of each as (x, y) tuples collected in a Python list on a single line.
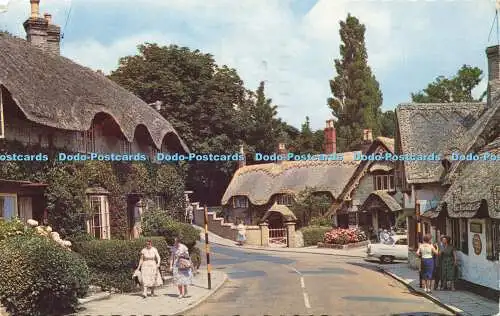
[(446, 165), (284, 199), (384, 182), (125, 146), (2, 123), (240, 202)]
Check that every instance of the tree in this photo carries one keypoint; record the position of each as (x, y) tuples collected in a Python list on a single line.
[(455, 89), (310, 203), (388, 124), (207, 104), (356, 93), (309, 141), (265, 127)]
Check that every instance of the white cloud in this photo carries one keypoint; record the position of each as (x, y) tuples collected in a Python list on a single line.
[(265, 40)]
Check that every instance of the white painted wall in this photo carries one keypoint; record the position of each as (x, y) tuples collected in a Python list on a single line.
[(476, 268)]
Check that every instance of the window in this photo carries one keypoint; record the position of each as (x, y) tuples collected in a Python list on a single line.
[(89, 141), (240, 202), (98, 225), (8, 206), (427, 228), (125, 147), (353, 219), (384, 182), (2, 123), (284, 199), (154, 152), (492, 239)]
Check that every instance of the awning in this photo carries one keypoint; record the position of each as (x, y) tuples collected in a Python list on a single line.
[(380, 199), (283, 210), (381, 166)]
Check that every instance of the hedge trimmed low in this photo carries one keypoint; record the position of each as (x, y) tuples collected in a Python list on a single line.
[(40, 278), (314, 234), (112, 262)]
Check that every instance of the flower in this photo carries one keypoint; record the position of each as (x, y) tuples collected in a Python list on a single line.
[(67, 243), (55, 236), (48, 229), (32, 223)]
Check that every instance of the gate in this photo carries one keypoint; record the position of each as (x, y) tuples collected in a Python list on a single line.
[(278, 237)]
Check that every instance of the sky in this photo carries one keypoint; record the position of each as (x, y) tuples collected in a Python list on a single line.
[(289, 44)]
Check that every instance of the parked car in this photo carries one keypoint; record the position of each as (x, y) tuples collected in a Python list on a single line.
[(396, 248)]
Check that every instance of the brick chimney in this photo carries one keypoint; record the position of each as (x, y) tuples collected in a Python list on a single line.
[(53, 36), (242, 163), (330, 142), (36, 27), (282, 151), (493, 55)]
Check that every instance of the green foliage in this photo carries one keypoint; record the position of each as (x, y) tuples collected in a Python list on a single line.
[(66, 200), (321, 221), (308, 142), (195, 255), (388, 124), (112, 262), (356, 93), (39, 277), (314, 234), (310, 203), (158, 223), (13, 228), (455, 89)]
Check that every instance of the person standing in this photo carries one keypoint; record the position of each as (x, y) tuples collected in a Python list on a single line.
[(437, 263), (426, 251), (181, 266), (149, 265), (242, 234), (448, 264)]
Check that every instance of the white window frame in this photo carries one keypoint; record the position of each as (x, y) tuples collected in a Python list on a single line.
[(240, 202), (2, 121), (16, 209), (385, 182), (101, 202), (284, 199)]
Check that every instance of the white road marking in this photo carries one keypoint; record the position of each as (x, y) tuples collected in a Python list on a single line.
[(297, 271), (306, 300), (302, 284)]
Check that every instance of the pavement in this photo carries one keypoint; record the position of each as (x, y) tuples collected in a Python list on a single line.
[(353, 252), (165, 303), (459, 302)]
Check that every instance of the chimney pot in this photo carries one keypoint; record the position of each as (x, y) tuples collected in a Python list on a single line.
[(242, 163), (48, 17), (35, 9)]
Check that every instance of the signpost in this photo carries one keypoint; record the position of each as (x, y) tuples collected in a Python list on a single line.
[(207, 250)]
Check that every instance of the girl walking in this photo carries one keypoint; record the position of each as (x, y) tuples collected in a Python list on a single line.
[(426, 251)]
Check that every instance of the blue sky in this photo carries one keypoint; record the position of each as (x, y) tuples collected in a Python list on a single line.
[(291, 44)]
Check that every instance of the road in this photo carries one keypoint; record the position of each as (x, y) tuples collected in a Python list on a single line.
[(263, 283)]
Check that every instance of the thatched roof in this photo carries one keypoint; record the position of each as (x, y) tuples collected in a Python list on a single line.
[(260, 182), (55, 91), (384, 198), (434, 128), (283, 210), (379, 144), (477, 182), (486, 128)]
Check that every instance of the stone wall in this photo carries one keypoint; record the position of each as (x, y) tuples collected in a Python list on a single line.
[(218, 226)]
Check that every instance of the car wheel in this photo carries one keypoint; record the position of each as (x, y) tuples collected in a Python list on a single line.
[(386, 259)]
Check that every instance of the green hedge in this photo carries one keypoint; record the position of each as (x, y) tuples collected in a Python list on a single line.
[(314, 234), (112, 262), (14, 228), (40, 278)]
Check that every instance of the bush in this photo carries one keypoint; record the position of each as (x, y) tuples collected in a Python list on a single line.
[(195, 255), (314, 234), (158, 223), (321, 221), (112, 262), (14, 228), (40, 278), (342, 236)]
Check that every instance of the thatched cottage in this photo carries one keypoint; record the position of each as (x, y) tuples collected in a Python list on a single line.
[(370, 199), (50, 101), (452, 196)]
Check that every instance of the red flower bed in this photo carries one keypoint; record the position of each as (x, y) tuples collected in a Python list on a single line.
[(341, 236)]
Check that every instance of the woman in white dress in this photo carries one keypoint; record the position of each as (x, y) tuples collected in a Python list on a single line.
[(181, 266), (150, 269), (242, 233)]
